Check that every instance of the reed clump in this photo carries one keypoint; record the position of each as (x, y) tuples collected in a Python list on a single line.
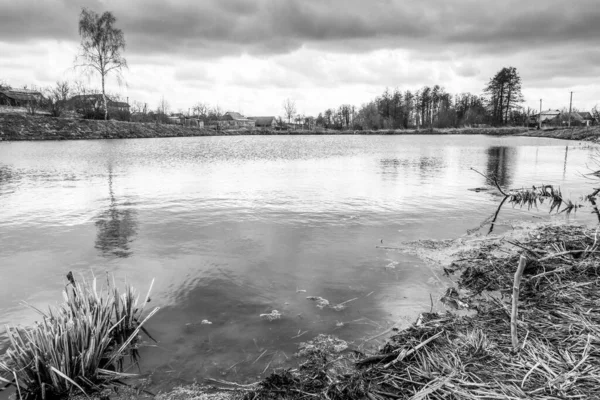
[(447, 356), (78, 346)]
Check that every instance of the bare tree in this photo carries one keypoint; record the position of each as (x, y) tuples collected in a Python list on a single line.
[(101, 45), (201, 110), (32, 105), (596, 113), (216, 113), (289, 109), (163, 106), (139, 107), (56, 98)]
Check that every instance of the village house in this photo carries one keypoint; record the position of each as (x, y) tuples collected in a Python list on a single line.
[(180, 119), (96, 102), (233, 120), (264, 122), (558, 118), (587, 119), (19, 97), (548, 117)]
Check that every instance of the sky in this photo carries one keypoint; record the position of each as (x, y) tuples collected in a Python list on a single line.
[(251, 55)]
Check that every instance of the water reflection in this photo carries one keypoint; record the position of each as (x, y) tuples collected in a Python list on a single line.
[(392, 166), (565, 163), (117, 226), (7, 177), (500, 164)]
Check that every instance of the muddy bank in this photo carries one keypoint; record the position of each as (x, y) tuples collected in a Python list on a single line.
[(27, 127), (19, 126)]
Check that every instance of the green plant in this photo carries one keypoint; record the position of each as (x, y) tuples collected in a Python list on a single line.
[(79, 345)]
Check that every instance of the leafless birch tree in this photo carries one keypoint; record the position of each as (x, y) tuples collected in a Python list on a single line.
[(101, 46)]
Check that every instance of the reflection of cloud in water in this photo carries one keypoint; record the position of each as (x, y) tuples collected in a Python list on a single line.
[(117, 226), (233, 303)]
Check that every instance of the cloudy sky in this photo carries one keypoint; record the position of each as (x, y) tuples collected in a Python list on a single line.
[(250, 55)]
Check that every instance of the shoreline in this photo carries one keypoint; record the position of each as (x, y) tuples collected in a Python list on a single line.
[(21, 127), (463, 347)]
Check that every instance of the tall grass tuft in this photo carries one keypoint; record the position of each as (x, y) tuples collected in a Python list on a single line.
[(79, 345)]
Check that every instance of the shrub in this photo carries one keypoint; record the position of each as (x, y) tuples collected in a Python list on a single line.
[(79, 345)]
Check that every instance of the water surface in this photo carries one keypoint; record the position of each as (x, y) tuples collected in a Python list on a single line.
[(234, 227)]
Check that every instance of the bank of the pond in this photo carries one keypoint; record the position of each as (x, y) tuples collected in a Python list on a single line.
[(19, 127), (470, 356)]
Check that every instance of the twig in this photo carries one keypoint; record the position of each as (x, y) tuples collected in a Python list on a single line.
[(515, 302), (404, 354), (262, 354), (524, 248), (494, 180)]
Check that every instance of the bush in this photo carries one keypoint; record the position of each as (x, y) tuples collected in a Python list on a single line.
[(79, 345)]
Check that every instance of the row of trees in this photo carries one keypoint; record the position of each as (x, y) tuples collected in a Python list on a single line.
[(433, 107)]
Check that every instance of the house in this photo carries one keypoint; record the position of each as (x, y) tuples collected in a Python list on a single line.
[(264, 122), (96, 102), (234, 120), (180, 119), (587, 118), (548, 117), (20, 97), (193, 122), (577, 118)]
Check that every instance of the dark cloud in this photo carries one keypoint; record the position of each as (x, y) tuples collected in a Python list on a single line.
[(212, 28)]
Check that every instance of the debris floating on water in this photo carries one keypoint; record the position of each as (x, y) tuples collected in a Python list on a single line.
[(321, 302), (321, 344), (271, 316)]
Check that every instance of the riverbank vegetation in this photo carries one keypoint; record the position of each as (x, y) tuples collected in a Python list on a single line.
[(21, 126), (81, 346)]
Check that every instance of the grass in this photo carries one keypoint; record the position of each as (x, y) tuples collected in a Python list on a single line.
[(447, 356), (80, 345)]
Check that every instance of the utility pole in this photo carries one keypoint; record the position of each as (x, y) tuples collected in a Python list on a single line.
[(540, 117), (570, 108)]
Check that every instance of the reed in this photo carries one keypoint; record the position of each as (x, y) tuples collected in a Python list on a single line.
[(79, 345)]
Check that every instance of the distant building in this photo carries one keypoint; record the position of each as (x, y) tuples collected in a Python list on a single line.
[(180, 119), (548, 117), (234, 120), (587, 118), (577, 118), (96, 102), (264, 122), (20, 97)]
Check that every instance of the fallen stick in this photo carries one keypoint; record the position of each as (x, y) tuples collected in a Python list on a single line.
[(515, 301), (404, 354)]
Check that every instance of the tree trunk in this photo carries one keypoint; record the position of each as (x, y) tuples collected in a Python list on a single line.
[(507, 105), (104, 100), (501, 104)]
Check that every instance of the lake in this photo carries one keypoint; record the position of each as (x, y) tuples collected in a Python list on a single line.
[(234, 227)]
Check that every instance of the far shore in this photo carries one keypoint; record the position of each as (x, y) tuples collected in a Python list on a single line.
[(23, 127)]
